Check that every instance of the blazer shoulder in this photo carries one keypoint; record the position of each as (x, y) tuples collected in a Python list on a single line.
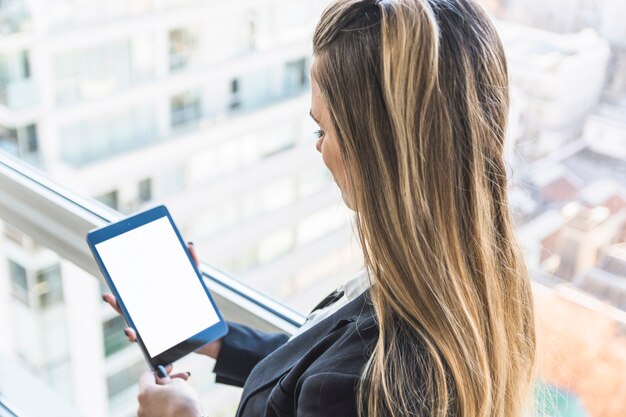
[(328, 394)]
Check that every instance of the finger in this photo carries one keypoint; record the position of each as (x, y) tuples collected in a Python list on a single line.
[(163, 381), (181, 375), (130, 334), (112, 301), (192, 252)]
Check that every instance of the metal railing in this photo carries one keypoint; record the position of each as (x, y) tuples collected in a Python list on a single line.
[(60, 219)]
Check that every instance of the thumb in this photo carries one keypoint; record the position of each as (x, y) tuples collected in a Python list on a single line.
[(162, 375)]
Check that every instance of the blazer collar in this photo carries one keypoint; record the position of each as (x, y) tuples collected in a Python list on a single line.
[(284, 358)]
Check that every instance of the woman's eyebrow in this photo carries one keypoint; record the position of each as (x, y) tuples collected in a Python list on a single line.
[(313, 117)]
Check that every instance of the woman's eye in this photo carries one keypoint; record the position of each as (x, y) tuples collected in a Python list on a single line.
[(318, 133)]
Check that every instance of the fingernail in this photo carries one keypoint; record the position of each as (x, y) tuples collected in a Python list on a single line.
[(126, 332), (104, 299), (188, 373), (161, 372), (190, 243)]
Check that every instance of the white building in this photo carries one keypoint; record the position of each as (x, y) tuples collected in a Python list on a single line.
[(562, 16), (200, 105), (566, 16), (561, 77)]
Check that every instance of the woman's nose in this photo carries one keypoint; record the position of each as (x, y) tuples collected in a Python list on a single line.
[(318, 145)]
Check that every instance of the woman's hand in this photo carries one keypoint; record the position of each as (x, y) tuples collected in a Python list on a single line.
[(210, 349), (167, 397)]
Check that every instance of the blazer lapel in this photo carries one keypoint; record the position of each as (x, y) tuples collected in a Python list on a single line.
[(281, 361)]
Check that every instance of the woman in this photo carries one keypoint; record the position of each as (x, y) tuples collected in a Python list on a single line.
[(411, 98)]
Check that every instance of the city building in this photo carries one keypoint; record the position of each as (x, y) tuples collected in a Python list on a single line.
[(199, 105), (560, 16), (561, 78)]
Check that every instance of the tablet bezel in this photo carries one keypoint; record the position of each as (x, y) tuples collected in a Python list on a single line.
[(132, 222)]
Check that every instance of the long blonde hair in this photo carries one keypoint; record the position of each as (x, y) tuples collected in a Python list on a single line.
[(418, 96)]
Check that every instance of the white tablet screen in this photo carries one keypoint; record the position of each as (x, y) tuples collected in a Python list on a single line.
[(158, 285)]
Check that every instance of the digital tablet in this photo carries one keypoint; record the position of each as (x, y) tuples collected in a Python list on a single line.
[(157, 285)]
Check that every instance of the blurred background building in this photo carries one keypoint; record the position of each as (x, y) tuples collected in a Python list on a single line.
[(203, 106), (567, 155), (198, 105)]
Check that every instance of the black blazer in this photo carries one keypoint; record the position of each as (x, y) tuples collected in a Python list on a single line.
[(314, 375)]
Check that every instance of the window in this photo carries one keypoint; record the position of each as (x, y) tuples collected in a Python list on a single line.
[(14, 67), (49, 287), (21, 142), (31, 144), (9, 141), (98, 71), (145, 190), (256, 88), (296, 78), (110, 199), (235, 99), (108, 135), (17, 89), (113, 335), (19, 282), (185, 109), (183, 48)]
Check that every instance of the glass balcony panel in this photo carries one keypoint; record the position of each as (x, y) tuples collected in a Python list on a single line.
[(93, 139), (102, 70)]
